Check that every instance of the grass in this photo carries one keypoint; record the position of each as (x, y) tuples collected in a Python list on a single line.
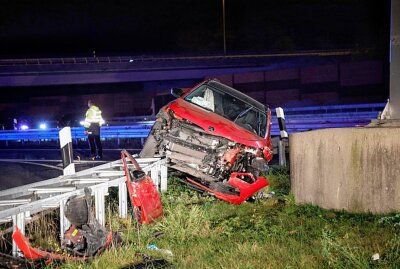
[(203, 232)]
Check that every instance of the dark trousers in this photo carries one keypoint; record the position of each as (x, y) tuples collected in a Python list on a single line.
[(94, 142)]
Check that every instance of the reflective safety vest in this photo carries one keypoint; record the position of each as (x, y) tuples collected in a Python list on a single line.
[(93, 115)]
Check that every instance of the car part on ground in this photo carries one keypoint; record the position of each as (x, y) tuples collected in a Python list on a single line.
[(85, 238), (145, 198), (217, 137), (239, 188), (33, 253)]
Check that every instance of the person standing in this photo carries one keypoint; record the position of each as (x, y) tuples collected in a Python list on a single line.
[(92, 123)]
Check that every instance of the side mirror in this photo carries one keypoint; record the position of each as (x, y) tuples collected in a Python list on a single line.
[(176, 92)]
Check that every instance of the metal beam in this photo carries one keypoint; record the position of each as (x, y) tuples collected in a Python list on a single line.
[(18, 221), (64, 222), (114, 173), (51, 190), (122, 200), (88, 180), (14, 202), (99, 205)]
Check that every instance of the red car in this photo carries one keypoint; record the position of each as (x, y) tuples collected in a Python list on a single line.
[(217, 137)]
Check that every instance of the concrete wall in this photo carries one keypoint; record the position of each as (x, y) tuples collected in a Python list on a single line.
[(356, 169)]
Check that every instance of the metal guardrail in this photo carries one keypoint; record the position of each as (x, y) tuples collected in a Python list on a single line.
[(297, 120), (341, 108), (64, 60), (17, 205), (129, 131)]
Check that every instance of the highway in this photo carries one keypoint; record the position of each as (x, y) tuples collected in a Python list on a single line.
[(23, 166)]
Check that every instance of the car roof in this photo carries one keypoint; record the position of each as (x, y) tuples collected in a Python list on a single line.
[(218, 85)]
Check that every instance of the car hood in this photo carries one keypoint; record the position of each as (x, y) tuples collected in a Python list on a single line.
[(214, 124)]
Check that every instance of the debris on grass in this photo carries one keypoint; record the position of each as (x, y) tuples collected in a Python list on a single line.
[(161, 250), (375, 257)]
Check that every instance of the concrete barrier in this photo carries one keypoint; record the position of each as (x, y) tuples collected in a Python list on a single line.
[(355, 169)]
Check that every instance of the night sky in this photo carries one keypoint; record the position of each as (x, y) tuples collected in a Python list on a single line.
[(37, 28)]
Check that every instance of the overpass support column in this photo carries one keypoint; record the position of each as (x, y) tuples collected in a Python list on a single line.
[(395, 61)]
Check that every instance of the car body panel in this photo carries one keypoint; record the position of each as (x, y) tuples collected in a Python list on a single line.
[(33, 253), (143, 193), (221, 126)]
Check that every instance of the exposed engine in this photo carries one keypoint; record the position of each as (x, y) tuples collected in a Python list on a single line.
[(207, 157)]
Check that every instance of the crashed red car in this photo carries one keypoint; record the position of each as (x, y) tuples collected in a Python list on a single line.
[(217, 137)]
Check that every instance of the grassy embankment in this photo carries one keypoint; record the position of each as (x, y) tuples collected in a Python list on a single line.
[(203, 232)]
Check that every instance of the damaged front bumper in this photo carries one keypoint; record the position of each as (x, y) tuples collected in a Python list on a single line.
[(239, 188)]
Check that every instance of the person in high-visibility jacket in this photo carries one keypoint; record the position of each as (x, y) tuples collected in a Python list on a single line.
[(92, 123)]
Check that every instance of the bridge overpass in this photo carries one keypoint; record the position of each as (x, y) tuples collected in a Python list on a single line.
[(87, 70)]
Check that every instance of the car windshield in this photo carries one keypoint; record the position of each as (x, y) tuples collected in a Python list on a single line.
[(230, 107)]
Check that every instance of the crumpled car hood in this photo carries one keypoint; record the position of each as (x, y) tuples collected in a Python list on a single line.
[(214, 124)]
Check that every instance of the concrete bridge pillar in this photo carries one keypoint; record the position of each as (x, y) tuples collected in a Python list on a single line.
[(355, 169)]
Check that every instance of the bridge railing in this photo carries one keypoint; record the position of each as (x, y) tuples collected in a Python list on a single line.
[(171, 57)]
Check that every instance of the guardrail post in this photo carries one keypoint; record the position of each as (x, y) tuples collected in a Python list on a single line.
[(64, 222), (164, 176), (66, 151), (283, 135), (122, 200), (18, 221), (282, 153), (99, 205), (154, 175)]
